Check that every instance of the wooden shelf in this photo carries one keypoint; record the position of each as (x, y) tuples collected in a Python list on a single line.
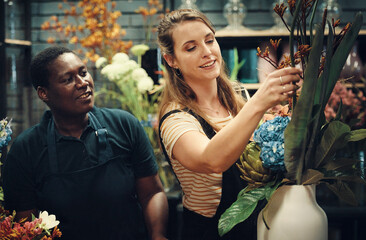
[(18, 42), (246, 32), (255, 86)]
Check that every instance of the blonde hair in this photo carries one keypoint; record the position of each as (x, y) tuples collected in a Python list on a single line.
[(176, 89)]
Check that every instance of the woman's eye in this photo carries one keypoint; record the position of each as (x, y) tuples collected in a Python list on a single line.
[(191, 49)]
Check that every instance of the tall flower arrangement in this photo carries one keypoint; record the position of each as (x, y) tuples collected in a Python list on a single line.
[(91, 26), (305, 152)]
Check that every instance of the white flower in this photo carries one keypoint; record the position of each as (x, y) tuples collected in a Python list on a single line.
[(139, 50), (131, 65), (145, 84), (100, 62), (139, 73), (48, 221), (120, 58)]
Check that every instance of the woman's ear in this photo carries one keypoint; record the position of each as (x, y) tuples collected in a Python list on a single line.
[(42, 93), (170, 60)]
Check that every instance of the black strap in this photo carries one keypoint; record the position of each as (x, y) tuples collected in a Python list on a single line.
[(208, 130)]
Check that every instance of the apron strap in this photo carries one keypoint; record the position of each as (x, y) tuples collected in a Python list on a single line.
[(104, 148)]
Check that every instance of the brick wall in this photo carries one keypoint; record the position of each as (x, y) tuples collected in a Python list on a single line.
[(259, 15)]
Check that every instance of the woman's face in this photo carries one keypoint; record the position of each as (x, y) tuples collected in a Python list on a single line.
[(70, 90), (197, 53)]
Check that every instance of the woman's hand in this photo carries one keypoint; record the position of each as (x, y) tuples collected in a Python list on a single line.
[(278, 86)]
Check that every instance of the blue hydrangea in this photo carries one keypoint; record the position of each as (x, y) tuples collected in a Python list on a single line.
[(272, 155), (5, 133), (271, 130), (270, 138)]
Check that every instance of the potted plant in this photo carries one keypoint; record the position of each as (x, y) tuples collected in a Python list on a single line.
[(297, 149)]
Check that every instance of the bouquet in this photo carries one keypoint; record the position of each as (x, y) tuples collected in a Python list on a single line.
[(302, 149), (44, 227), (129, 87)]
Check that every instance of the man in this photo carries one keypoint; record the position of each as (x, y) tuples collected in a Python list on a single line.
[(94, 168)]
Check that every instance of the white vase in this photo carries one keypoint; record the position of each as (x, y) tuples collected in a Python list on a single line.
[(293, 214)]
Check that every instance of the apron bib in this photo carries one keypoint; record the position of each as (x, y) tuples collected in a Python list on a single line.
[(198, 227), (98, 202)]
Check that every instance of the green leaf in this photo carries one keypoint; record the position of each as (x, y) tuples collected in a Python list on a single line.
[(311, 176), (341, 54), (241, 209), (357, 135), (343, 191), (339, 111), (296, 131), (334, 137), (340, 164)]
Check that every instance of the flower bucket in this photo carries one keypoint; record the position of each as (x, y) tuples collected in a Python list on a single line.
[(293, 214)]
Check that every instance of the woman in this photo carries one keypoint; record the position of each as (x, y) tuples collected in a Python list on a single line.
[(204, 124), (94, 168)]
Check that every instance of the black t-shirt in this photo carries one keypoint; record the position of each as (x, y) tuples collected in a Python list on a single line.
[(27, 168)]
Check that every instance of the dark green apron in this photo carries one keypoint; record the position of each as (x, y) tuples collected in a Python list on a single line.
[(98, 202), (198, 227)]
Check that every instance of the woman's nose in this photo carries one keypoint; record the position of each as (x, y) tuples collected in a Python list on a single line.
[(206, 50)]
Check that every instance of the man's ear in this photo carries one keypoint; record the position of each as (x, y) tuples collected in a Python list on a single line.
[(42, 93), (170, 60)]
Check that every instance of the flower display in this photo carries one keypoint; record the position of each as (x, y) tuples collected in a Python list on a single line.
[(130, 88), (302, 149), (150, 17), (93, 30), (44, 227), (353, 108), (5, 133)]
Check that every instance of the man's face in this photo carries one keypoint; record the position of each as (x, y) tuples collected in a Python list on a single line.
[(70, 89)]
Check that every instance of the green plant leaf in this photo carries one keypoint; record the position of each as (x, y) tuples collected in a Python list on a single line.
[(334, 138), (343, 191), (241, 209), (340, 164), (311, 176), (341, 54), (357, 135), (296, 131)]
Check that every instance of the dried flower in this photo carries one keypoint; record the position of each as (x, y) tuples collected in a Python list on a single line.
[(149, 17), (96, 33)]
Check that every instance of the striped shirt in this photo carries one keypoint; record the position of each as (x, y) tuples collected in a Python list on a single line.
[(201, 192)]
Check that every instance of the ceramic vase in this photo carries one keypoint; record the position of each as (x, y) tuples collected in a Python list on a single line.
[(293, 214)]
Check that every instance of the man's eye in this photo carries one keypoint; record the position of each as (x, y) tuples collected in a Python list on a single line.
[(210, 41), (68, 79), (83, 73)]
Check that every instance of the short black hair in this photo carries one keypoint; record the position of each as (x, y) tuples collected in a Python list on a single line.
[(39, 65)]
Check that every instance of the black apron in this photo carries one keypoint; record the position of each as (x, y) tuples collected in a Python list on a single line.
[(198, 227), (98, 202)]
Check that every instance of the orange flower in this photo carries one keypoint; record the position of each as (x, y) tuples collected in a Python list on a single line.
[(51, 40), (96, 28), (74, 39)]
